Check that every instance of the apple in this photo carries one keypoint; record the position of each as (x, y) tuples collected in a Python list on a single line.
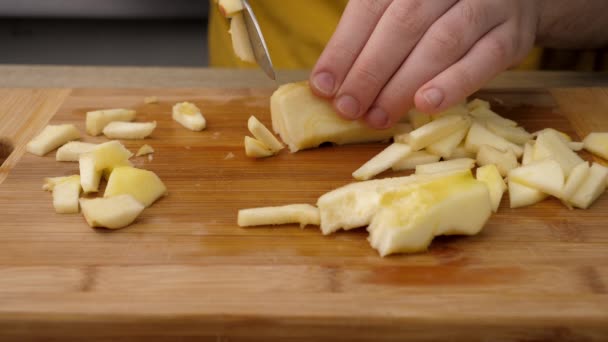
[(261, 133), (275, 106), (189, 115), (550, 145), (382, 161), (523, 196), (528, 155), (71, 151), (229, 8), (597, 143), (111, 212), (576, 146), (565, 137), (459, 109), (143, 185), (505, 161), (145, 149), (402, 138), (516, 135), (97, 120), (66, 194), (256, 149), (89, 175), (479, 135), (304, 214), (240, 39), (129, 130), (51, 137), (437, 130), (461, 152), (410, 216), (576, 178), (477, 103), (593, 186), (414, 159), (486, 115), (545, 175), (446, 146), (490, 175), (110, 154), (446, 166)]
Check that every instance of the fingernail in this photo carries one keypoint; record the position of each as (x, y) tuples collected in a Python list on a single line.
[(433, 97), (348, 106), (377, 118), (325, 83)]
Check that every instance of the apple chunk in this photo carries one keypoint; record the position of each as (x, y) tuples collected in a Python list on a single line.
[(66, 191), (414, 159), (89, 175), (144, 150), (383, 161), (550, 145), (496, 185), (97, 120), (437, 130), (304, 214), (479, 135), (446, 146), (111, 212), (505, 161), (240, 39), (516, 135), (256, 149), (545, 175), (485, 115), (143, 185), (477, 103), (597, 143), (577, 177), (593, 186), (229, 8), (189, 115), (51, 137), (446, 166), (523, 196), (261, 133), (129, 130), (71, 151)]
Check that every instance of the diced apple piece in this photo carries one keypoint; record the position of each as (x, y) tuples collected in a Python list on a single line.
[(51, 137), (189, 115), (414, 159), (409, 217), (261, 133), (89, 175), (51, 182), (597, 143), (382, 161), (145, 149), (436, 131), (516, 135), (496, 185), (479, 135), (459, 109), (304, 214), (446, 146), (66, 194), (275, 106), (256, 149), (143, 185), (550, 145), (446, 166), (528, 155), (505, 161), (487, 115), (229, 8), (523, 196), (129, 130), (111, 154), (545, 175), (565, 137), (478, 103), (593, 186), (402, 138), (308, 121), (577, 177), (240, 39), (418, 118), (461, 152), (71, 151), (111, 212), (576, 146), (97, 120)]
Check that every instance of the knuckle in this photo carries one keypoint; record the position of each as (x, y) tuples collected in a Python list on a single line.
[(472, 13), (446, 39), (366, 78), (373, 7), (500, 49), (405, 16), (342, 52)]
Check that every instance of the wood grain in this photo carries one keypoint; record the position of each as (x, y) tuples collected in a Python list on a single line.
[(185, 271)]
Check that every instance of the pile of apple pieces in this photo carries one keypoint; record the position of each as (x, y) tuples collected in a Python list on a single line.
[(129, 190)]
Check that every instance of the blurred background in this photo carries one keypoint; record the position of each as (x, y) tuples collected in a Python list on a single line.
[(104, 32)]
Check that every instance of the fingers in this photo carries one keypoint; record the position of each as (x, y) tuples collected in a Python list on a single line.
[(492, 54), (397, 33), (356, 26), (445, 42)]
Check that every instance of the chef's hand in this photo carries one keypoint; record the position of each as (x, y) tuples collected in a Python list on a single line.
[(388, 56)]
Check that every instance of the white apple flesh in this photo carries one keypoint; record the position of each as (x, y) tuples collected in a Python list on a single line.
[(382, 161), (51, 137), (112, 212), (303, 214)]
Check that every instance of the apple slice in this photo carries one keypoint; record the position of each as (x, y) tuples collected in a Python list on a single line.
[(576, 146), (382, 161), (523, 196), (446, 146), (597, 143), (577, 177), (565, 137), (97, 120), (412, 215), (89, 175), (144, 150), (528, 155), (414, 159), (593, 186), (516, 135), (496, 185), (459, 109), (478, 103), (256, 149), (304, 214), (487, 115), (129, 130), (446, 166), (143, 185), (437, 130), (550, 145), (51, 137), (479, 135), (71, 151), (189, 115), (418, 118), (240, 39), (505, 161), (66, 194), (261, 133), (229, 8), (110, 154), (461, 152), (402, 138), (545, 175), (275, 106), (111, 212)]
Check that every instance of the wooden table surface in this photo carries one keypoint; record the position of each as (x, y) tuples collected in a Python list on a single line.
[(185, 271)]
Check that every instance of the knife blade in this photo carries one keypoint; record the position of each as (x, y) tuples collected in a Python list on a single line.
[(260, 50)]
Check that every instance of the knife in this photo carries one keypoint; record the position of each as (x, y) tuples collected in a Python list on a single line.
[(260, 50)]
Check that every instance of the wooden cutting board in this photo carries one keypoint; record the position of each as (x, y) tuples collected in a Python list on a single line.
[(186, 270)]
